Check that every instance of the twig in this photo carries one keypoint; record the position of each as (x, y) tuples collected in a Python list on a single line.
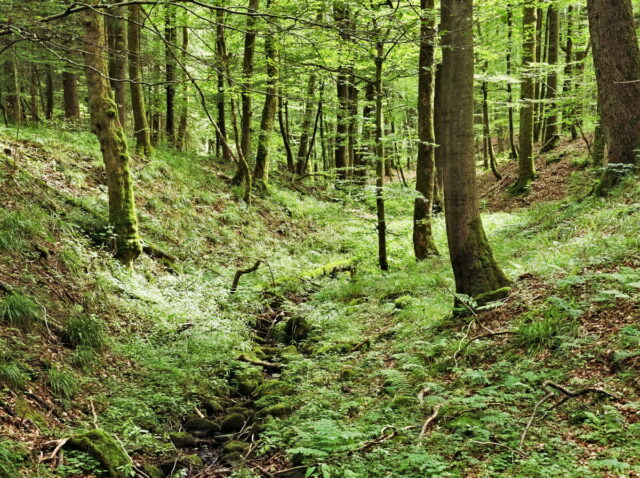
[(532, 417), (56, 450), (491, 334)]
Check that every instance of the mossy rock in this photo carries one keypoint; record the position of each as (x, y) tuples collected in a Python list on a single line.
[(274, 387), (201, 427), (233, 423), (245, 412), (182, 440), (402, 401), (190, 460), (270, 351), (403, 302), (212, 407), (104, 448), (247, 379), (279, 410), (236, 446), (259, 353), (233, 459), (493, 296), (296, 329), (153, 471)]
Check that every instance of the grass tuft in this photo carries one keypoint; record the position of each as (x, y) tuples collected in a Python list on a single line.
[(20, 311), (86, 331)]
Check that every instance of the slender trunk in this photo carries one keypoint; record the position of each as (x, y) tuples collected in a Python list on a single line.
[(118, 65), (353, 122), (475, 269), (170, 73), (540, 81), (138, 107), (617, 63), (486, 129), (291, 167), (106, 126), (221, 52), (70, 94), (247, 73), (342, 125), (437, 129), (526, 170), (13, 103), (382, 222), (34, 93), (261, 171), (182, 134), (306, 124), (568, 72), (512, 142), (423, 242), (49, 93), (552, 131)]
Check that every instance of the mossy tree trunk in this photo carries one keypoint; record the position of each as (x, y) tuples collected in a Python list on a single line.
[(380, 163), (423, 242), (261, 172), (138, 107), (474, 266), (113, 144), (617, 63), (118, 63), (526, 169), (14, 110), (552, 130)]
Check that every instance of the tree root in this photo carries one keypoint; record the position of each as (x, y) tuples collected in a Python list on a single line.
[(241, 272)]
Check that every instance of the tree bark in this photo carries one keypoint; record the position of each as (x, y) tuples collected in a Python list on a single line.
[(261, 171), (512, 142), (617, 63), (247, 74), (307, 118), (526, 170), (552, 130), (475, 269), (423, 242), (70, 95), (14, 112), (182, 133), (49, 93), (138, 107), (170, 73), (106, 126), (221, 52), (379, 148), (118, 65), (437, 129)]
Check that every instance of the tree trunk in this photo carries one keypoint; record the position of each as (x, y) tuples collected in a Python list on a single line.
[(486, 129), (567, 87), (616, 57), (512, 142), (247, 74), (261, 172), (437, 129), (49, 93), (138, 107), (526, 170), (342, 125), (70, 94), (382, 222), (423, 242), (106, 126), (182, 134), (12, 87), (474, 266), (170, 73), (34, 93), (552, 131), (118, 67), (221, 52), (306, 125)]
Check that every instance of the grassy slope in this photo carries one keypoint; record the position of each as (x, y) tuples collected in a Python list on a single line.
[(377, 342)]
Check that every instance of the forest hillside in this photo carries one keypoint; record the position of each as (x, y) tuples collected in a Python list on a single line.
[(319, 239)]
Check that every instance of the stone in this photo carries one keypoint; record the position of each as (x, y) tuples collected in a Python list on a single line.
[(182, 440), (233, 423), (105, 449), (201, 427)]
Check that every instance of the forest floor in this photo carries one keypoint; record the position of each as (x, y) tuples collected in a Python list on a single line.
[(319, 364)]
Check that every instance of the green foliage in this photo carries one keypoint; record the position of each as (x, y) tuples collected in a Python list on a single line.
[(63, 385), (18, 228), (13, 375), (557, 324), (21, 311), (77, 462), (11, 456), (86, 331)]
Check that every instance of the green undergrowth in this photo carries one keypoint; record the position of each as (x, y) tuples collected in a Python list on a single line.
[(142, 349)]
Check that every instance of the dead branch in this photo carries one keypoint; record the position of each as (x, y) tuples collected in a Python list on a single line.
[(429, 421), (501, 445), (241, 272), (490, 334)]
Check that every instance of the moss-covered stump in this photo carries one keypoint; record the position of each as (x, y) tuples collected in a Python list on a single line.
[(104, 448), (201, 427), (182, 440)]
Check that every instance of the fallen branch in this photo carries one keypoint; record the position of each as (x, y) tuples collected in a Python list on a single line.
[(501, 445), (429, 421), (241, 272), (490, 334), (384, 436), (59, 444)]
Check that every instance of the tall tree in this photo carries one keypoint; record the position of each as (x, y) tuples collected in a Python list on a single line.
[(526, 170), (113, 143), (170, 72), (138, 107), (247, 78), (423, 242), (512, 143), (474, 266), (552, 129), (261, 172), (616, 58), (15, 112), (221, 53), (118, 63), (307, 119)]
